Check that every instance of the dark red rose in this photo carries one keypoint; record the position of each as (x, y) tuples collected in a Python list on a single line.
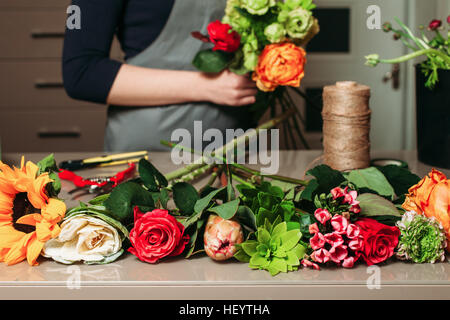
[(223, 39), (156, 235), (379, 240), (435, 24)]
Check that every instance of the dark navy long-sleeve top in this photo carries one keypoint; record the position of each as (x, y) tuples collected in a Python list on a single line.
[(88, 71)]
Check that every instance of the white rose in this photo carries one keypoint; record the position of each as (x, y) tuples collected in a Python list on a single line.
[(84, 238)]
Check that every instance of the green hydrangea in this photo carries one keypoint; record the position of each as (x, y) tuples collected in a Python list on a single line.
[(238, 22), (275, 32), (258, 7), (422, 239), (276, 249), (250, 51), (297, 22)]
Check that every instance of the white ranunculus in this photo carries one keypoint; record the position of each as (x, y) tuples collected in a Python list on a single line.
[(84, 238)]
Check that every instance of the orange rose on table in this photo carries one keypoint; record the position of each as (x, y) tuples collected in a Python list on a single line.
[(431, 197), (280, 64)]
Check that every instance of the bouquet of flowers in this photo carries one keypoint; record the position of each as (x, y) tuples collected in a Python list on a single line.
[(264, 38), (435, 49)]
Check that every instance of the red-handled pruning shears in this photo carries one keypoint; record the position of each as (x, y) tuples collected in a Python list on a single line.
[(98, 185)]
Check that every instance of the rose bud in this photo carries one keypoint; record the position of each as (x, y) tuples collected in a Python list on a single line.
[(434, 24), (339, 253), (339, 224), (349, 262), (221, 236), (317, 242)]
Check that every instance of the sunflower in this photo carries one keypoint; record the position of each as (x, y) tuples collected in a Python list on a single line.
[(28, 217)]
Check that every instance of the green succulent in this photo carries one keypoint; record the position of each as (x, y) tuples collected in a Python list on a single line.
[(421, 240), (275, 32), (258, 7), (276, 249)]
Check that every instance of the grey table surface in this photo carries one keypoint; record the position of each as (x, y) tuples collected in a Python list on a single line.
[(203, 278)]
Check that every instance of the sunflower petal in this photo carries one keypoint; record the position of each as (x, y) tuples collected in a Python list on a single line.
[(9, 236), (31, 170), (54, 210), (33, 251), (18, 251), (30, 219)]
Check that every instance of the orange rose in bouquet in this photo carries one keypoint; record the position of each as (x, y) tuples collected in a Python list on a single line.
[(280, 64), (431, 197)]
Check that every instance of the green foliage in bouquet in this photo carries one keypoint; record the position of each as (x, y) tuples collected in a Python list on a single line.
[(275, 249)]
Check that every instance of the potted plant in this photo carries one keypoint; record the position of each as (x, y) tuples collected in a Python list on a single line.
[(432, 88)]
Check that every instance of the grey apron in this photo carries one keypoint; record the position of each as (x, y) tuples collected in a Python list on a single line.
[(142, 128)]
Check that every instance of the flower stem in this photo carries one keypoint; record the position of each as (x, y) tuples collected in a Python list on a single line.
[(417, 54)]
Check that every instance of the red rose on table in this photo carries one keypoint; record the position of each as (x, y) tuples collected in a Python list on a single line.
[(156, 235), (379, 240), (223, 39)]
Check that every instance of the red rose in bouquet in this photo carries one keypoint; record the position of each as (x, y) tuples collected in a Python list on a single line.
[(156, 235), (379, 240), (223, 39)]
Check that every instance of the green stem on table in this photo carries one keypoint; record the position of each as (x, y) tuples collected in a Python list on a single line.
[(239, 166), (240, 180), (201, 161), (195, 174)]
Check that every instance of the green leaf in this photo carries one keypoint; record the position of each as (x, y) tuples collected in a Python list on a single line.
[(164, 197), (99, 200), (292, 225), (277, 265), (263, 236), (373, 205), (279, 230), (226, 210), (290, 239), (292, 258), (267, 200), (47, 164), (327, 179), (241, 256), (373, 179), (210, 61), (246, 217), (124, 198), (257, 260), (185, 196), (401, 179), (150, 176), (299, 251), (249, 247), (203, 203), (310, 190)]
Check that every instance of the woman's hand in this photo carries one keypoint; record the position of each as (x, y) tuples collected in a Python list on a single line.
[(228, 88)]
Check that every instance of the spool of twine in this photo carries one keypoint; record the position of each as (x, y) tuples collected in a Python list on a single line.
[(346, 126)]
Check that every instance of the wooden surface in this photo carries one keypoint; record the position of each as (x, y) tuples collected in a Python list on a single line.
[(202, 278)]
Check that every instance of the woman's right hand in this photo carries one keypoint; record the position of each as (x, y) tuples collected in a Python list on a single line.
[(228, 88)]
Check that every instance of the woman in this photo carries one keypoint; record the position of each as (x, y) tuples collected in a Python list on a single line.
[(157, 90)]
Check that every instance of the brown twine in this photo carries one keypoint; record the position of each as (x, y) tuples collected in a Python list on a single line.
[(346, 126)]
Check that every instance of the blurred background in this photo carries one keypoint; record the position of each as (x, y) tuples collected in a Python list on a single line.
[(37, 115)]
